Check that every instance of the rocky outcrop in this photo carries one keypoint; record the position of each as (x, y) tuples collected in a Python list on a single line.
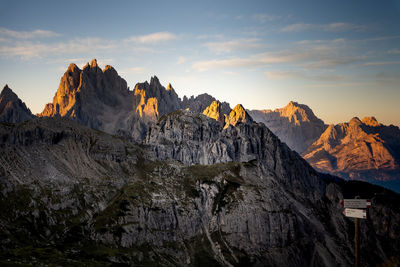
[(358, 149), (90, 96), (199, 103), (102, 100), (193, 138), (12, 109), (214, 111), (238, 115), (74, 196), (371, 121), (295, 124)]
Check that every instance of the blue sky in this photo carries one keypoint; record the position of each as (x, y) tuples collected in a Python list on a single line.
[(342, 58)]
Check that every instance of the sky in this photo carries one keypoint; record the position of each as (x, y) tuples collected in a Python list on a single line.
[(341, 58)]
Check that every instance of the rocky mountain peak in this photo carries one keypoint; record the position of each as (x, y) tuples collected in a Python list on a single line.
[(351, 150), (169, 87), (238, 115), (297, 113), (89, 96), (355, 121), (154, 81), (166, 98), (7, 94), (93, 63), (199, 103), (12, 109), (214, 111), (73, 68), (108, 68), (295, 124), (370, 121)]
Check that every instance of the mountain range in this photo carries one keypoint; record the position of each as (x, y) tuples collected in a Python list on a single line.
[(101, 99), (358, 149), (109, 176)]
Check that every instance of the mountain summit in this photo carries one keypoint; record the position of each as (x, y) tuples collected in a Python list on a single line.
[(214, 111), (358, 149), (238, 115), (12, 109), (295, 124), (102, 100)]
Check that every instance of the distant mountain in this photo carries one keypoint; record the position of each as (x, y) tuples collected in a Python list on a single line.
[(12, 109), (295, 124), (365, 150), (102, 100)]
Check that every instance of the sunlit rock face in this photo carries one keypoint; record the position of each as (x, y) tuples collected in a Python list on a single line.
[(153, 100), (12, 109), (214, 111), (102, 100), (295, 124), (358, 150), (238, 115)]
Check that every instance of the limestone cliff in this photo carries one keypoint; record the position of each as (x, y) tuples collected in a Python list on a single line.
[(295, 124), (12, 109)]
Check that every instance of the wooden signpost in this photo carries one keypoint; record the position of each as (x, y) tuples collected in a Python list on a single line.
[(356, 208), (355, 213), (356, 203)]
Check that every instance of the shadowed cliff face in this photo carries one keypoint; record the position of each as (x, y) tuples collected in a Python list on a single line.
[(358, 150), (295, 124), (12, 109), (71, 195)]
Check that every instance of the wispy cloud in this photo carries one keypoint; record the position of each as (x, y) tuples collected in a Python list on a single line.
[(233, 45), (286, 75), (25, 45), (380, 63), (28, 50), (383, 38), (394, 51), (262, 18), (332, 27), (210, 36), (154, 38), (27, 34), (251, 61), (181, 60), (306, 54), (134, 70)]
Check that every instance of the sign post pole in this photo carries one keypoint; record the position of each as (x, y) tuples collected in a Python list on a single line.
[(356, 238), (356, 208)]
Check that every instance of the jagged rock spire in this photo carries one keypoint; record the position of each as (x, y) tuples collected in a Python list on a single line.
[(12, 109), (214, 111), (371, 121), (93, 63), (238, 115)]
